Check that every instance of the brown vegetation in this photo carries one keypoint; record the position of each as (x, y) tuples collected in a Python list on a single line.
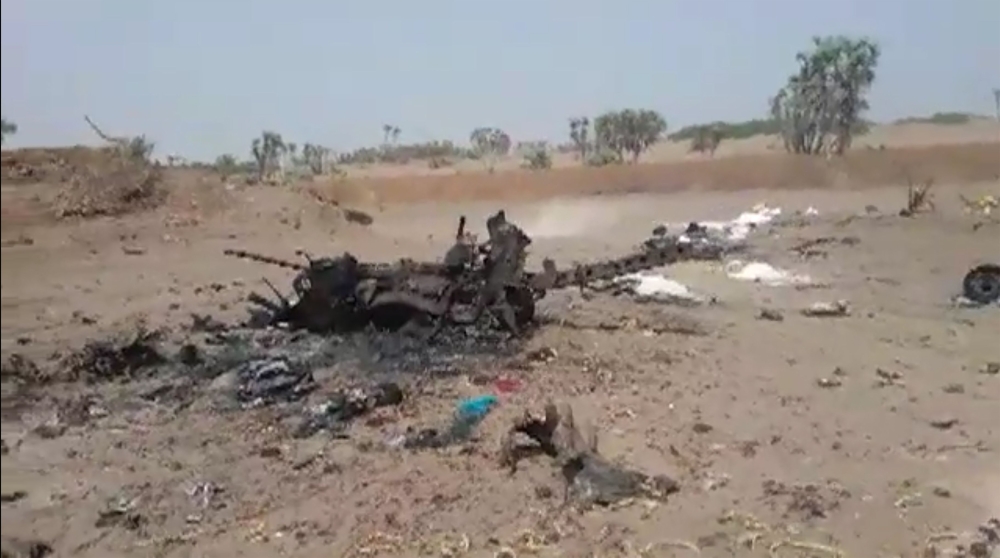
[(974, 162)]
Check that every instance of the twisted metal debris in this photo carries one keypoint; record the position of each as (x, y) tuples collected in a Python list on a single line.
[(342, 294)]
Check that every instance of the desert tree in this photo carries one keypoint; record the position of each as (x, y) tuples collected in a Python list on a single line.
[(996, 101), (579, 134), (628, 131), (268, 151), (317, 158), (390, 132), (226, 165), (489, 145), (536, 156), (8, 128), (706, 140), (820, 107), (135, 148)]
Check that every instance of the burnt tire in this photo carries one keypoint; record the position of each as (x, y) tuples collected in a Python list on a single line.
[(982, 284)]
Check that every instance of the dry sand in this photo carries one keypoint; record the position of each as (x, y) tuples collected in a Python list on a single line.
[(733, 406)]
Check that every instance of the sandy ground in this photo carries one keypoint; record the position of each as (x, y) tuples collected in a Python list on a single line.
[(871, 433)]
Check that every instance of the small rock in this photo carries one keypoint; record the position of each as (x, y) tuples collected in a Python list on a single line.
[(829, 382), (17, 548), (944, 423), (941, 492), (543, 354), (133, 250), (991, 368), (888, 377), (8, 497), (701, 428), (835, 309), (50, 430), (770, 315), (714, 481), (954, 389)]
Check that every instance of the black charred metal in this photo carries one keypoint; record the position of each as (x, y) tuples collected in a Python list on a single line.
[(341, 294)]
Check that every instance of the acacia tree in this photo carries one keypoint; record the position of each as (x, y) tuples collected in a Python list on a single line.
[(489, 144), (579, 133), (706, 140), (267, 151), (316, 157), (8, 128), (819, 109), (629, 131), (226, 165), (390, 132)]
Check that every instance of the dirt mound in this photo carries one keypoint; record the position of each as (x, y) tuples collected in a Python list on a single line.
[(92, 181), (115, 189), (55, 165), (973, 162)]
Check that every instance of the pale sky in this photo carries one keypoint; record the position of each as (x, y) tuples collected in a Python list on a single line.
[(204, 78)]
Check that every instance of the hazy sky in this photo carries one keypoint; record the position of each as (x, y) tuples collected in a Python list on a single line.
[(203, 78)]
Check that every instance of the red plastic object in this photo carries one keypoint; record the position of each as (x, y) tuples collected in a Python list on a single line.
[(507, 385)]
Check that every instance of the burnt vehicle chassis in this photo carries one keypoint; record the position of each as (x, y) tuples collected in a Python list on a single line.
[(342, 294)]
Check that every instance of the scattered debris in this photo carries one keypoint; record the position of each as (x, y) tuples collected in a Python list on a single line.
[(807, 501), (132, 250), (590, 478), (829, 382), (760, 272), (981, 284), (954, 388), (810, 248), (116, 358), (984, 205), (834, 309), (543, 355), (121, 512), (887, 378), (20, 240), (347, 405), (918, 198), (11, 497), (18, 548), (467, 416), (770, 314), (658, 288), (357, 217), (979, 543), (342, 294), (944, 423), (21, 369), (267, 381), (737, 229)]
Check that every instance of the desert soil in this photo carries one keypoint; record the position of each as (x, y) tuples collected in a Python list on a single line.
[(875, 433)]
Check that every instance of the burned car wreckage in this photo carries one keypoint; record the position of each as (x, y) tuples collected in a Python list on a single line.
[(342, 294)]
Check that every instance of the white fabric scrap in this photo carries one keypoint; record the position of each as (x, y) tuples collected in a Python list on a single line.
[(760, 272), (658, 287)]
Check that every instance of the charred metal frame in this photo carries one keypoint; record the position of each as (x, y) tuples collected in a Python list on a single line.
[(341, 294)]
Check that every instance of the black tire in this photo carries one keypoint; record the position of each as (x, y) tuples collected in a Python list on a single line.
[(982, 284)]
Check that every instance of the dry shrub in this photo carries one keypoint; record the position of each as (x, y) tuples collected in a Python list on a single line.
[(53, 165), (117, 187)]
